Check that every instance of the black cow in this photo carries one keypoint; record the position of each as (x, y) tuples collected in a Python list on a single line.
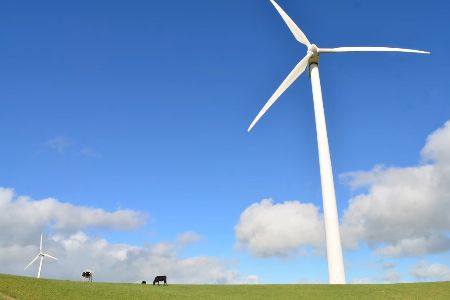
[(160, 278), (144, 282)]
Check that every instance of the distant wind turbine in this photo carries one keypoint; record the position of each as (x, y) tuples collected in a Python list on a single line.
[(336, 273), (41, 255)]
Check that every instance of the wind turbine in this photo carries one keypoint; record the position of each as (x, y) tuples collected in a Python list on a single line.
[(41, 255), (336, 273)]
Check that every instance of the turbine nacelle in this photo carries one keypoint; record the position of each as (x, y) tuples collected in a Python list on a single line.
[(313, 49)]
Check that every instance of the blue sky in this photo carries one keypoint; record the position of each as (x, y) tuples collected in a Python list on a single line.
[(144, 106)]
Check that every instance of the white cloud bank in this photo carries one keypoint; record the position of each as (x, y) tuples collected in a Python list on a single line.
[(267, 229), (426, 271), (404, 211), (23, 219)]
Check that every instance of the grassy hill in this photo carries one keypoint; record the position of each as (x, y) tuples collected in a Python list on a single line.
[(15, 287)]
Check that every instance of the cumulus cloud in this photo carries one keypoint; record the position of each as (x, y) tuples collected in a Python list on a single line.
[(250, 279), (388, 273), (438, 145), (362, 280), (426, 271), (268, 229), (391, 276), (24, 218), (415, 246), (404, 210), (188, 237), (387, 276)]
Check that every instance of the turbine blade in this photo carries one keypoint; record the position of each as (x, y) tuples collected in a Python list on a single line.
[(48, 255), (295, 73), (369, 49), (40, 245), (298, 34), (31, 262)]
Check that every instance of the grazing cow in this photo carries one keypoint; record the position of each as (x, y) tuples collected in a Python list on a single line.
[(160, 278), (144, 282), (87, 275)]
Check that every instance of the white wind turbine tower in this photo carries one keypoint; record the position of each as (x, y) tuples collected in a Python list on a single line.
[(40, 255), (336, 273)]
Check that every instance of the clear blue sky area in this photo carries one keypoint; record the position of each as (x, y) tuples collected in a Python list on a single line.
[(145, 105)]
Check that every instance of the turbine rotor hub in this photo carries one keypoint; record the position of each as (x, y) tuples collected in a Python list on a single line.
[(313, 49)]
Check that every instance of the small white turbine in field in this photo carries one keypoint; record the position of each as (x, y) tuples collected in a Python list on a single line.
[(40, 255), (336, 273)]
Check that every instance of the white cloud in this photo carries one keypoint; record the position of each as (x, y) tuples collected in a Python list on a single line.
[(438, 145), (362, 280), (58, 143), (391, 276), (89, 152), (387, 276), (426, 271), (267, 229), (64, 145), (23, 219), (387, 273), (404, 211), (188, 237), (250, 279), (388, 265), (415, 246)]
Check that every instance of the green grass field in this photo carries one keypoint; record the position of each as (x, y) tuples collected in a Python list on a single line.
[(14, 287)]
